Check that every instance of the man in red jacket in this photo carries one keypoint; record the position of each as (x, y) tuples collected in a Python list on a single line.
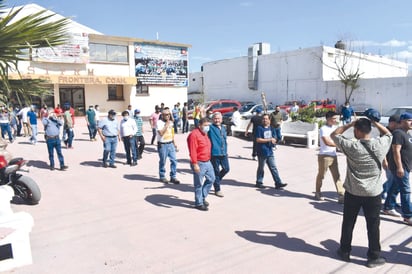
[(200, 150)]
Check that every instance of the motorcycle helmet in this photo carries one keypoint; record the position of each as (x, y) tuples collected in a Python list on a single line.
[(373, 114)]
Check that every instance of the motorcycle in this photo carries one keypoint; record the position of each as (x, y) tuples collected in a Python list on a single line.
[(24, 187)]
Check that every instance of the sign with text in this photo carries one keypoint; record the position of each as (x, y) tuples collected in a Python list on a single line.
[(76, 51), (160, 65)]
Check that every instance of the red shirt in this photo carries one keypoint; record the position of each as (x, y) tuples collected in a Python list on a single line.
[(199, 146)]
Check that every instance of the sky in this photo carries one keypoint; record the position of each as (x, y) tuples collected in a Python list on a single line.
[(225, 29)]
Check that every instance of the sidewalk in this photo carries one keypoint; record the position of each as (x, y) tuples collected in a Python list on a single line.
[(102, 220)]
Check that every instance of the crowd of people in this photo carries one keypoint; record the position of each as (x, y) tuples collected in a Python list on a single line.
[(208, 152)]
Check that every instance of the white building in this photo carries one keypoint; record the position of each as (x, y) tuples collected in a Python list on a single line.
[(304, 74), (109, 71)]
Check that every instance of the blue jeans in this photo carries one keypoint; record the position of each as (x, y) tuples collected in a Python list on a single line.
[(270, 161), (130, 146), (5, 127), (202, 188), (33, 137), (92, 130), (371, 207), (167, 150), (402, 185), (55, 144), (217, 162), (388, 184), (276, 133), (70, 137), (109, 147)]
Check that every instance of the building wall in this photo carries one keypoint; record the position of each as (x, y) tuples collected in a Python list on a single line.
[(301, 75)]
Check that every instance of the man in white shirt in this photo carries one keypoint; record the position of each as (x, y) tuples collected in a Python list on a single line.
[(235, 120), (327, 158), (26, 126)]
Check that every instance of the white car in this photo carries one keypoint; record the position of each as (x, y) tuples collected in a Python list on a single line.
[(396, 110), (246, 113)]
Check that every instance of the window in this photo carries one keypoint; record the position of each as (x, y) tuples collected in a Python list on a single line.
[(115, 92), (142, 89), (108, 53)]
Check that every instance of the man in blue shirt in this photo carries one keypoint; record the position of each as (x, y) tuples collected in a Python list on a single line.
[(264, 149), (52, 127), (109, 133), (32, 123)]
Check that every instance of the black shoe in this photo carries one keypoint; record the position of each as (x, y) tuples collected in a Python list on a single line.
[(280, 186), (64, 168), (206, 203), (104, 165), (202, 207), (52, 168), (112, 166), (164, 180), (344, 256), (174, 181), (134, 164), (260, 186), (375, 262)]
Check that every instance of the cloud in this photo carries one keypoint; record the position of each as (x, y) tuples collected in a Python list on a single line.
[(246, 4), (391, 43)]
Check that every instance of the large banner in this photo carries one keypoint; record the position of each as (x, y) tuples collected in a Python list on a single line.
[(160, 65), (76, 50)]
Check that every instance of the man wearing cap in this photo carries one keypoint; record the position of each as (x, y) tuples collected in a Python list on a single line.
[(109, 133), (393, 124), (91, 122), (139, 138), (255, 121), (400, 164), (166, 147), (363, 186)]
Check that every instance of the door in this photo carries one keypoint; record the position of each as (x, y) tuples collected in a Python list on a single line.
[(75, 97)]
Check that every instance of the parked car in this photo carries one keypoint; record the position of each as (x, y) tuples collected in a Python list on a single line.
[(322, 104), (396, 110), (223, 106), (289, 104), (359, 109), (246, 113)]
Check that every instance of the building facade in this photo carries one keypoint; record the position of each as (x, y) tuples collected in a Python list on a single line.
[(109, 71), (304, 74)]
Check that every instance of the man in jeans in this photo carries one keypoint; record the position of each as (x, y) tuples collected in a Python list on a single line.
[(203, 174), (109, 133), (264, 149), (166, 147), (362, 185), (220, 162), (400, 165), (52, 127)]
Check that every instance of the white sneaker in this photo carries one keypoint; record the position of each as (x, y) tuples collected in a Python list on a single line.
[(408, 221), (392, 212), (318, 196)]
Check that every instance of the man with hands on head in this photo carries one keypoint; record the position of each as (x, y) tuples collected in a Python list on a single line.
[(363, 186)]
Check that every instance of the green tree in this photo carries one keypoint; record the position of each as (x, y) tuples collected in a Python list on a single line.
[(18, 38)]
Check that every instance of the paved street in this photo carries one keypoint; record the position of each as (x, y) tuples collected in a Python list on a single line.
[(102, 220)]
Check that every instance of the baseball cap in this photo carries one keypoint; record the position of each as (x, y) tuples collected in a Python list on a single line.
[(406, 116), (136, 111), (112, 112), (394, 118)]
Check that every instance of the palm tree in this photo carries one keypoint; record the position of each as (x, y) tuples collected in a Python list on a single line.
[(18, 37)]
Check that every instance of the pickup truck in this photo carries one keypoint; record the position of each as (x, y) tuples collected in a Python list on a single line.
[(323, 104)]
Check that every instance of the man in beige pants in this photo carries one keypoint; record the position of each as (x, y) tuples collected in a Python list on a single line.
[(327, 158)]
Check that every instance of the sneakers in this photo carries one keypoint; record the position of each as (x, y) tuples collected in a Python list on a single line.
[(206, 203), (164, 180), (113, 166), (407, 221), (64, 168), (319, 197), (174, 181), (260, 185), (344, 256), (391, 212), (375, 262), (202, 207), (280, 186), (219, 194)]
